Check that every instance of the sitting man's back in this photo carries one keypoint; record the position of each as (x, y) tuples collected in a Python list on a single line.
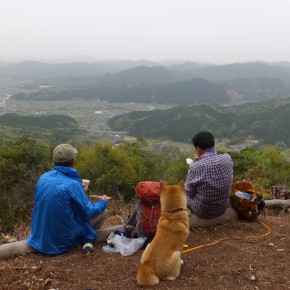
[(61, 218), (209, 179)]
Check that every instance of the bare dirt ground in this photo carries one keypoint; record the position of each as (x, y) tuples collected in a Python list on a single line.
[(234, 263)]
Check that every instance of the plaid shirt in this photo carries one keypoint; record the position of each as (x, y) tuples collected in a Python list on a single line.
[(208, 184)]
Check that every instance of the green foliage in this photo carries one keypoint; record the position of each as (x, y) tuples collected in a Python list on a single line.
[(21, 159), (176, 171), (156, 160), (21, 163), (265, 168), (115, 171), (244, 160), (110, 169), (137, 152), (275, 166), (162, 160)]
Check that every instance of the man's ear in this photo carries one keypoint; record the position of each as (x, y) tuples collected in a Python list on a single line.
[(197, 150), (73, 163)]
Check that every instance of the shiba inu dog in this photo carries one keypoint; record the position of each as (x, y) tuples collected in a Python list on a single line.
[(162, 257)]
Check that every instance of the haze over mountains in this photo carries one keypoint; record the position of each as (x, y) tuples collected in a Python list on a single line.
[(143, 81), (204, 88)]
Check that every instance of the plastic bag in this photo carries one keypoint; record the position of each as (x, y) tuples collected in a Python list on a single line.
[(243, 194), (110, 249), (126, 246)]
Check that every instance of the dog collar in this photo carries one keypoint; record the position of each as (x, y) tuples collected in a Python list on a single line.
[(177, 210)]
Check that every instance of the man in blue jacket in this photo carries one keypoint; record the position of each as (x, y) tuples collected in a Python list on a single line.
[(63, 216)]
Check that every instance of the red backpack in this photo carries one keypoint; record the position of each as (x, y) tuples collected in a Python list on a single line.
[(146, 211)]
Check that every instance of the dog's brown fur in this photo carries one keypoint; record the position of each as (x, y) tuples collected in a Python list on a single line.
[(162, 258)]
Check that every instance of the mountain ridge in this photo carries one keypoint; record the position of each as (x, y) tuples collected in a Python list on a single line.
[(266, 122), (249, 81)]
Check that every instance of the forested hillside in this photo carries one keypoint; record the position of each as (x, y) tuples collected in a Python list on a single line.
[(194, 91), (267, 122), (51, 128)]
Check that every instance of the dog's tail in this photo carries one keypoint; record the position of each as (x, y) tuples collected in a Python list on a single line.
[(146, 275)]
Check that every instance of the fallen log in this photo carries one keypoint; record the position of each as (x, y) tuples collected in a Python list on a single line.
[(11, 250), (280, 204), (196, 222), (104, 232)]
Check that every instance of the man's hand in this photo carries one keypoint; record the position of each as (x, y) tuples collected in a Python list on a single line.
[(196, 157), (104, 197)]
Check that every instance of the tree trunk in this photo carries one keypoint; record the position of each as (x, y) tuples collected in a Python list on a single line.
[(281, 204), (10, 250)]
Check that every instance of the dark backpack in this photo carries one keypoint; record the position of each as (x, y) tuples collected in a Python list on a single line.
[(146, 210), (247, 203)]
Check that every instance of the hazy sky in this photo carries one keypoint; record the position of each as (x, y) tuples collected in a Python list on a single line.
[(218, 31)]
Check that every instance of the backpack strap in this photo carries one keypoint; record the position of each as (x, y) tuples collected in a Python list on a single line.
[(130, 227), (139, 229), (133, 224)]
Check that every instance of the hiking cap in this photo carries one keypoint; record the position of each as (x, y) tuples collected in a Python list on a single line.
[(63, 153)]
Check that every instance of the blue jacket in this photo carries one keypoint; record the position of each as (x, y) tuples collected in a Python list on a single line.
[(61, 213)]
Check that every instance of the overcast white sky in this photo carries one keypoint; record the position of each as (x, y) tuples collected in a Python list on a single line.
[(218, 31)]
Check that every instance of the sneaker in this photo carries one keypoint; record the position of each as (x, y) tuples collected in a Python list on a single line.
[(87, 248)]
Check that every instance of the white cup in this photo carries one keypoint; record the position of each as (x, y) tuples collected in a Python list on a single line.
[(85, 183), (189, 161)]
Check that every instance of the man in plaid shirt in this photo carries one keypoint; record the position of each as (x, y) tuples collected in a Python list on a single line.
[(209, 179)]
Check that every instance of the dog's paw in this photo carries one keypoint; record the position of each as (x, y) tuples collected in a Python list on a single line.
[(181, 262), (170, 278)]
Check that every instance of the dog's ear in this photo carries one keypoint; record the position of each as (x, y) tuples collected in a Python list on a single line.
[(163, 184), (181, 183)]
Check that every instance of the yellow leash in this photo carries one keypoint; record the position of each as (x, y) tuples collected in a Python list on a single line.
[(216, 242)]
